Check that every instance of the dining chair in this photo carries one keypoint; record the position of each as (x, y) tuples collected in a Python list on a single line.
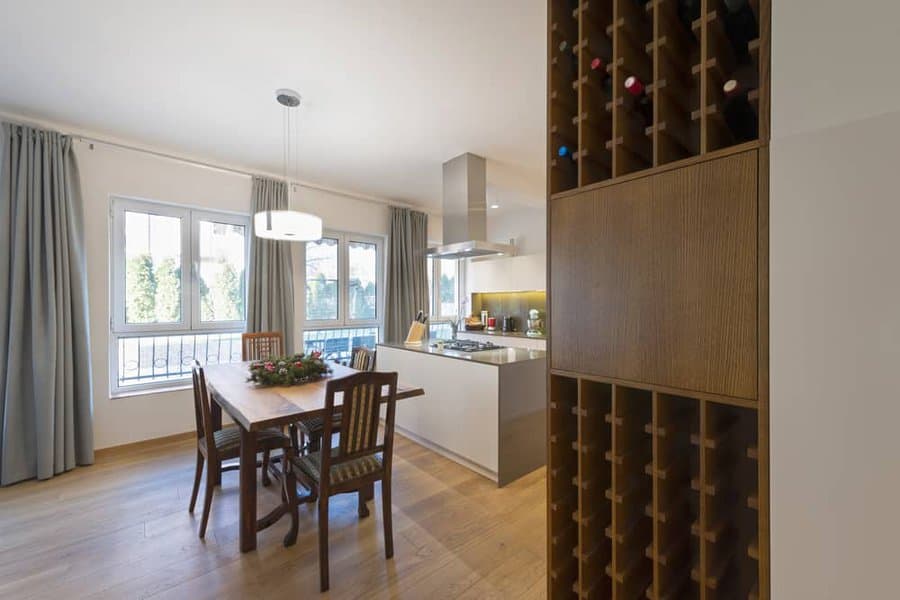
[(358, 460), (216, 446), (261, 346), (311, 430)]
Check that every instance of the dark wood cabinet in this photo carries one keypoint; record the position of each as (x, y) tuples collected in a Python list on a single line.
[(655, 280)]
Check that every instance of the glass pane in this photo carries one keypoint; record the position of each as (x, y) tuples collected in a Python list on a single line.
[(152, 268), (322, 280), (222, 281), (430, 270), (338, 344), (449, 288), (152, 359), (363, 259)]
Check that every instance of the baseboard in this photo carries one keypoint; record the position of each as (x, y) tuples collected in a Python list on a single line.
[(486, 473), (146, 444)]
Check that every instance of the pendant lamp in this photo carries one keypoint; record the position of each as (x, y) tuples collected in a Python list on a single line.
[(289, 225)]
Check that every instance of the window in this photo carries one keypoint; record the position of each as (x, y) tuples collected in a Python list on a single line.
[(344, 275), (179, 289), (444, 285)]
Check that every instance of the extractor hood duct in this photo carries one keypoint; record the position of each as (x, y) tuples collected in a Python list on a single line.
[(465, 211)]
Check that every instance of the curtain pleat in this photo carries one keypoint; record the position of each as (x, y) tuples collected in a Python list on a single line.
[(46, 409), (407, 276), (270, 302)]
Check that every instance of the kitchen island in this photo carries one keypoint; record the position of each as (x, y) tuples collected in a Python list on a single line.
[(485, 410)]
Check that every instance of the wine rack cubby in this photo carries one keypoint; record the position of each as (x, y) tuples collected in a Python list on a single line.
[(563, 490), (652, 495), (639, 84)]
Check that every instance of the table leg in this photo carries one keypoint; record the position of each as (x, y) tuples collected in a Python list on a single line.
[(248, 490)]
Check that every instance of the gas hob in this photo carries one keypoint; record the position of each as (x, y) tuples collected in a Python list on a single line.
[(468, 346)]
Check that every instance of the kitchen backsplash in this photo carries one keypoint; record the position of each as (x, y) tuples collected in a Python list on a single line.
[(510, 304)]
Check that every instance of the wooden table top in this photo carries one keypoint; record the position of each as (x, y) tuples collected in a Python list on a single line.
[(255, 407)]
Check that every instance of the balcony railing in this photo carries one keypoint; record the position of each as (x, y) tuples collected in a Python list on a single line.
[(159, 358), (338, 344)]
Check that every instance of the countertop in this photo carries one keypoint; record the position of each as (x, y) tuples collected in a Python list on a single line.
[(498, 357), (499, 333)]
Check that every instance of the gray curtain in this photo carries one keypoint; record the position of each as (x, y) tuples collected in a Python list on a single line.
[(270, 303), (46, 411), (407, 276)]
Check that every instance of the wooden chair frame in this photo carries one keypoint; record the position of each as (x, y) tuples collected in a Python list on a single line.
[(260, 346), (355, 442), (209, 452), (252, 345)]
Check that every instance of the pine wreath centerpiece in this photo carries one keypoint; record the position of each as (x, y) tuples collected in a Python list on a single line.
[(289, 370)]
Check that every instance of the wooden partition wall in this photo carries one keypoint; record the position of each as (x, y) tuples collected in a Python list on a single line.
[(658, 299)]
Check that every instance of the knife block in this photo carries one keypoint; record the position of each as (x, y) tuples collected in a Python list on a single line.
[(417, 333)]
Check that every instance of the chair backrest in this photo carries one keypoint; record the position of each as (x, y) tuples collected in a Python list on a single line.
[(201, 409), (262, 345), (360, 411), (362, 359)]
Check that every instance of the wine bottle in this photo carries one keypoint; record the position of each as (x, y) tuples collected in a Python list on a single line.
[(565, 46), (566, 152), (746, 77), (599, 74), (640, 103), (739, 114), (741, 26), (568, 59)]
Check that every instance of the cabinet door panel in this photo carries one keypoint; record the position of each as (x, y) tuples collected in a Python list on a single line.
[(655, 280)]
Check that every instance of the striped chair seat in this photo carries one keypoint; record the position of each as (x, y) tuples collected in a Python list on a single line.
[(315, 425), (228, 440), (311, 466)]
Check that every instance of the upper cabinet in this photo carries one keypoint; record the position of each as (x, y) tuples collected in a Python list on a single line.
[(669, 294), (517, 273)]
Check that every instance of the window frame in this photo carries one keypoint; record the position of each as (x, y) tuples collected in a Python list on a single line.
[(343, 320), (197, 323), (435, 292), (190, 289)]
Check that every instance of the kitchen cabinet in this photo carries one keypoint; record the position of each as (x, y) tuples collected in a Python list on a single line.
[(516, 273), (484, 410)]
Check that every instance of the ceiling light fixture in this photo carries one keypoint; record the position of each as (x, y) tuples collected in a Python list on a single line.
[(289, 225), (495, 206)]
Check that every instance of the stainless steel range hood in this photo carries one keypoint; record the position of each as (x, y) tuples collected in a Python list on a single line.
[(465, 211)]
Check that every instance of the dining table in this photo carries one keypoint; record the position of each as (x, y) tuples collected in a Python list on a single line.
[(254, 407)]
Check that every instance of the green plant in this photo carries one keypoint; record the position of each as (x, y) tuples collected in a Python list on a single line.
[(289, 370)]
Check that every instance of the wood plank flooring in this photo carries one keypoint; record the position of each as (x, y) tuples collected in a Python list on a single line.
[(120, 529)]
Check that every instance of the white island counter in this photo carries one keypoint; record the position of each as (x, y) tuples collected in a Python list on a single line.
[(485, 410)]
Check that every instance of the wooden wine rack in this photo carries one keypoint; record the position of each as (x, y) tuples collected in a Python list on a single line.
[(683, 69), (658, 380), (652, 495)]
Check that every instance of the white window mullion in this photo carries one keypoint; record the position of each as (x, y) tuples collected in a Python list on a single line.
[(343, 281), (191, 295)]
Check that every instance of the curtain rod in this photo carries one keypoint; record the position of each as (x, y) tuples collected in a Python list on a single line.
[(19, 120), (237, 171)]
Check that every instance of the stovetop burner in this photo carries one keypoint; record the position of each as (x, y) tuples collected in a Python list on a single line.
[(468, 346)]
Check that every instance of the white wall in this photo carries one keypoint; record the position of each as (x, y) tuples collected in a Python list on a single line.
[(107, 171), (835, 300)]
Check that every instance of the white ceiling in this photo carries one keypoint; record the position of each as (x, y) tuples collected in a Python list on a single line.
[(391, 88)]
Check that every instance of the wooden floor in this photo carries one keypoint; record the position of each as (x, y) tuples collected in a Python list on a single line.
[(120, 529)]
